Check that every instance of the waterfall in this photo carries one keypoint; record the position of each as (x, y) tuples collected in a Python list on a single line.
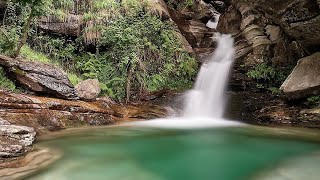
[(207, 98), (205, 103)]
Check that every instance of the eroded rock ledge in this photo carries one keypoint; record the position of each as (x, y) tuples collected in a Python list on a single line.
[(24, 115)]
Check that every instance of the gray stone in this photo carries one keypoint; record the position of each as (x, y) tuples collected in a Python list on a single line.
[(4, 122), (88, 89), (11, 150), (273, 32), (25, 135), (304, 79), (40, 77)]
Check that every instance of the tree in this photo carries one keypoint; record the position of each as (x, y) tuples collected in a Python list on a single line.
[(36, 8)]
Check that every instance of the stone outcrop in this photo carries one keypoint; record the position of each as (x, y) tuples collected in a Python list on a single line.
[(191, 21), (15, 140), (260, 37), (304, 79), (52, 114), (88, 89), (22, 116), (300, 19), (39, 77), (70, 25), (279, 34)]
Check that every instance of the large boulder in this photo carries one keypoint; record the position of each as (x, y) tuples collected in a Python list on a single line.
[(88, 89), (39, 77), (262, 35), (304, 79)]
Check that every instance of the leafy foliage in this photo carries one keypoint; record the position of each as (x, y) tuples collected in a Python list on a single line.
[(267, 77), (265, 73), (135, 52), (145, 46), (6, 83), (38, 7), (180, 4), (313, 101), (8, 40), (262, 72)]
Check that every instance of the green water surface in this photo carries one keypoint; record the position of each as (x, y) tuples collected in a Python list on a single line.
[(131, 153)]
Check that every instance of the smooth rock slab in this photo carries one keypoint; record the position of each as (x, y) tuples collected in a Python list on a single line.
[(304, 80)]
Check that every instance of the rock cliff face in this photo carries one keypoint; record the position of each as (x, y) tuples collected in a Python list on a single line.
[(191, 20), (281, 34), (276, 32)]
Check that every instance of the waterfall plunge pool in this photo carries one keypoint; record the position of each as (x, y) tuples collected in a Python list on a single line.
[(229, 151), (225, 153)]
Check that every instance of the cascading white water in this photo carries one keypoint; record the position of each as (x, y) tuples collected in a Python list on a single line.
[(207, 99), (205, 104)]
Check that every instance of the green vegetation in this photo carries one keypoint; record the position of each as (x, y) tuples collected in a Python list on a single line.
[(129, 49), (74, 79), (32, 55), (181, 4), (5, 83), (267, 77), (34, 8), (313, 101)]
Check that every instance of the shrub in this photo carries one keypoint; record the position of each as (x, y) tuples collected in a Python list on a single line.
[(8, 40), (6, 83), (263, 73), (313, 101), (142, 52)]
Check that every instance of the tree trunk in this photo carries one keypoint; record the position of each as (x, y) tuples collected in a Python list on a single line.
[(25, 34)]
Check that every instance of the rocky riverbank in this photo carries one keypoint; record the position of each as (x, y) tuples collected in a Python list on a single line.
[(23, 116)]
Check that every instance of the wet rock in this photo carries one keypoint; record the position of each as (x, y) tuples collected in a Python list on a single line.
[(15, 140), (88, 89), (11, 150), (192, 21), (25, 135), (39, 77), (4, 122), (230, 22), (304, 79)]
